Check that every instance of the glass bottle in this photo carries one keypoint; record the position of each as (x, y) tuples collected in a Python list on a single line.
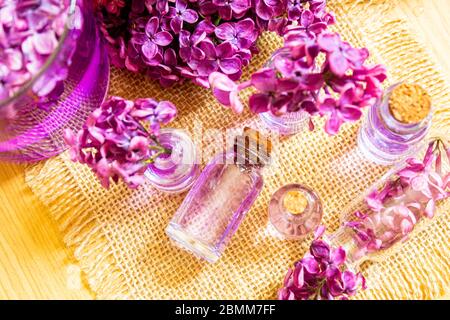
[(383, 138), (401, 202), (295, 211), (289, 123), (176, 172), (32, 124), (220, 198)]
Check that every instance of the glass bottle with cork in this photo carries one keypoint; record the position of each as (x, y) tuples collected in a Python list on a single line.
[(396, 124), (221, 197)]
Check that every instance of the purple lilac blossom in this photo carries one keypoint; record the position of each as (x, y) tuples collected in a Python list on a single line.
[(114, 143), (320, 74), (321, 274), (185, 39)]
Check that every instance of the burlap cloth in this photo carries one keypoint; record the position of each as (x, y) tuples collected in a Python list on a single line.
[(118, 235)]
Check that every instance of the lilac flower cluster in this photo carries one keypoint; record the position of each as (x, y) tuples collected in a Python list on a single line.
[(316, 71), (321, 275), (114, 143), (171, 40), (403, 200), (29, 34)]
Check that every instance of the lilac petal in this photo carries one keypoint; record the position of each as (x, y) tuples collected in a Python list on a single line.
[(230, 65), (220, 81), (176, 24), (320, 249), (163, 38), (181, 5), (166, 112), (170, 57), (298, 277), (240, 6), (197, 53), (208, 48), (350, 280), (318, 233), (311, 265), (318, 27), (294, 13), (152, 26), (13, 59), (97, 134), (185, 53), (430, 208), (45, 43), (338, 64), (329, 41), (356, 56), (225, 31), (235, 102), (312, 81), (206, 67), (406, 226), (287, 84), (333, 124), (184, 38), (264, 80), (259, 102), (338, 256), (263, 11), (245, 28), (224, 50), (222, 96), (306, 18), (190, 16), (225, 13), (351, 113), (149, 50)]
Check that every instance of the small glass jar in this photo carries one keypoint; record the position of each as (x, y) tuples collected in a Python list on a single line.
[(295, 211), (76, 75), (218, 202), (289, 123), (176, 172), (385, 140), (286, 124)]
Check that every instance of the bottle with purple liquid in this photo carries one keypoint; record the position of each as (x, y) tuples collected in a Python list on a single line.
[(220, 198), (396, 124)]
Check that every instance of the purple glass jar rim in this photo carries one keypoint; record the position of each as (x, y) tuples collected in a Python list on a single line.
[(71, 9)]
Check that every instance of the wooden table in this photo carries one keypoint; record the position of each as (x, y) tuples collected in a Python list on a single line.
[(34, 263)]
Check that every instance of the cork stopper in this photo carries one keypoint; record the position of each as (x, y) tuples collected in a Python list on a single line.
[(252, 148), (295, 202), (409, 103)]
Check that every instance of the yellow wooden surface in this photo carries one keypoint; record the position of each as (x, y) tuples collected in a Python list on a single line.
[(34, 263)]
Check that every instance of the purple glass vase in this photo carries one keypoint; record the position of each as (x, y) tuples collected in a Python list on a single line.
[(176, 172), (32, 123), (385, 140), (217, 203)]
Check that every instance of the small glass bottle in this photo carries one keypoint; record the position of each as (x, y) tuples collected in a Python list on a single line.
[(220, 198), (406, 198), (176, 172), (396, 124), (289, 123), (295, 211)]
